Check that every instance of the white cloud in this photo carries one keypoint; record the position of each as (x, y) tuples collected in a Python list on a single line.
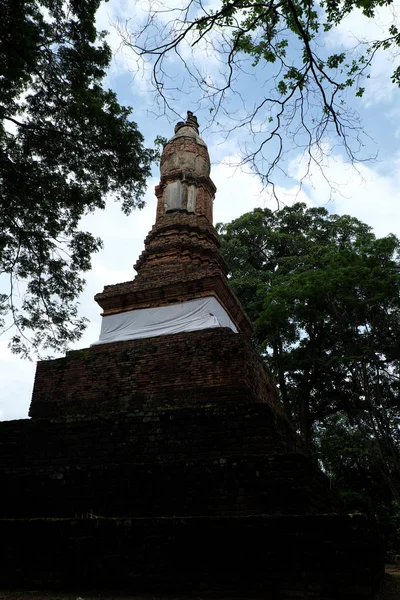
[(115, 17), (356, 31), (370, 192), (239, 191), (16, 383)]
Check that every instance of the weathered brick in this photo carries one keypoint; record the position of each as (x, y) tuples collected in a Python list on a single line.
[(213, 366), (174, 452)]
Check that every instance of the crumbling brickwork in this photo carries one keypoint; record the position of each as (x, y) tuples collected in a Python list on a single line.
[(180, 262), (166, 465), (193, 368), (181, 259), (191, 461), (269, 557)]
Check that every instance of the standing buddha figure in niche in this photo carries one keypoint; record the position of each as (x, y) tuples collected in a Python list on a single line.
[(184, 169)]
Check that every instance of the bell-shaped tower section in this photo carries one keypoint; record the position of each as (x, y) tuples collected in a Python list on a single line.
[(185, 173), (180, 262)]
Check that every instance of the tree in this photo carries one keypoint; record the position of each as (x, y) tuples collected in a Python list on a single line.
[(65, 144), (351, 460), (276, 49), (324, 295)]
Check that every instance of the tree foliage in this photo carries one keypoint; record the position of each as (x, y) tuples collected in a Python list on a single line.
[(65, 143), (324, 295), (276, 49)]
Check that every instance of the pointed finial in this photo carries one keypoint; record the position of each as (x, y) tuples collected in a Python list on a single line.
[(191, 121)]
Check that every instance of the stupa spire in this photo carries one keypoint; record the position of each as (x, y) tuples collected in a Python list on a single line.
[(185, 182), (181, 260), (191, 121)]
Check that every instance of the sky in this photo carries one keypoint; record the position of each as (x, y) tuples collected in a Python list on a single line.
[(370, 192)]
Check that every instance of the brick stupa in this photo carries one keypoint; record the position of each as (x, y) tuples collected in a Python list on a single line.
[(159, 460)]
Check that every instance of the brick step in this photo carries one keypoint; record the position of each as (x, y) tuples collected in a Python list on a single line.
[(324, 557), (252, 484), (147, 436), (192, 368)]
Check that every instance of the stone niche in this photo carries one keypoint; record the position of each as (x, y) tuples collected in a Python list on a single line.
[(180, 195)]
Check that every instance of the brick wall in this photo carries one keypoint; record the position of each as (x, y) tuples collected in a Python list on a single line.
[(188, 461), (180, 262), (214, 366), (325, 557), (277, 484), (210, 431)]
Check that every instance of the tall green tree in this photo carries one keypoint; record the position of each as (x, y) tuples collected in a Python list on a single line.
[(324, 295), (65, 144)]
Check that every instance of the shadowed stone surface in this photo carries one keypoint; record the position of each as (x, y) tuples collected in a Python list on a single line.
[(166, 465), (269, 557), (193, 461)]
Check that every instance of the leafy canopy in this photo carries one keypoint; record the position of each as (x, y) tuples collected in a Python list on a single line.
[(270, 71), (324, 295), (65, 144)]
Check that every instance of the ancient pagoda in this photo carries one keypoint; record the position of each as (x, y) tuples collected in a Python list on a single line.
[(159, 460)]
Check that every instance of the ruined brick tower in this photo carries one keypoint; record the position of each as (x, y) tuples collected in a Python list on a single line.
[(159, 460), (175, 334), (180, 261)]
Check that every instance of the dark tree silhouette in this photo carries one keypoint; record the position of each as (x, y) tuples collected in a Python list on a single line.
[(65, 143)]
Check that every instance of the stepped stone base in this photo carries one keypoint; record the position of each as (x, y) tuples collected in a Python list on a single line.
[(323, 557), (288, 484), (193, 461), (165, 466), (214, 498), (193, 368)]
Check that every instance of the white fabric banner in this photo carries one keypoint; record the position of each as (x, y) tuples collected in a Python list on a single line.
[(201, 313)]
